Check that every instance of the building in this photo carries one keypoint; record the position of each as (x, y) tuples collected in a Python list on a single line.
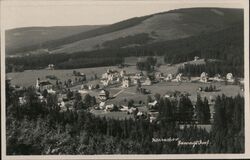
[(91, 87), (51, 66), (196, 58), (126, 83), (204, 77), (102, 105), (122, 73), (230, 77), (147, 82), (179, 77), (42, 85), (124, 108), (169, 77), (109, 107), (136, 81), (138, 75), (159, 76), (217, 77), (153, 116), (152, 104), (22, 100), (51, 91), (105, 82), (103, 95)]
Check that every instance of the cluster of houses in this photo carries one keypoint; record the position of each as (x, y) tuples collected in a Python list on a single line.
[(128, 79), (123, 78), (205, 78)]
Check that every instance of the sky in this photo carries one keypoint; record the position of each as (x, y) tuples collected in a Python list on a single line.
[(26, 13)]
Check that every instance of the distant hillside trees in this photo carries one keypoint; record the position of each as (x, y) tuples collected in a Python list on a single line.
[(147, 65), (212, 68), (138, 39)]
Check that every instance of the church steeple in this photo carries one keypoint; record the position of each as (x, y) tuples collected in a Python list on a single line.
[(37, 83)]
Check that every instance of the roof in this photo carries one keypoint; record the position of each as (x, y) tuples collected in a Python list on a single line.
[(44, 83)]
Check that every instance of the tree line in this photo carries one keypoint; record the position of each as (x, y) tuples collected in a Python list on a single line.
[(212, 68)]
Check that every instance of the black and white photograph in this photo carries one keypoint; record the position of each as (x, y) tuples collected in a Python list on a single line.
[(124, 79)]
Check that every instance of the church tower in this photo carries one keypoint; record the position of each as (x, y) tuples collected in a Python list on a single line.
[(37, 83)]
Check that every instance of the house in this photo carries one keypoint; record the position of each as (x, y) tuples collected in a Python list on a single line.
[(51, 66), (132, 110), (51, 91), (139, 113), (217, 77), (230, 77), (105, 82), (122, 73), (171, 94), (153, 116), (103, 95), (83, 75), (83, 91), (136, 81), (41, 98), (179, 77), (147, 82), (152, 104), (196, 58), (124, 108), (91, 87), (204, 77), (138, 75), (22, 100), (42, 85), (61, 104), (102, 105), (159, 76), (126, 83), (169, 77), (109, 107)]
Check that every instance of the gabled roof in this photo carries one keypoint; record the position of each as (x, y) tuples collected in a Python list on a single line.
[(44, 83)]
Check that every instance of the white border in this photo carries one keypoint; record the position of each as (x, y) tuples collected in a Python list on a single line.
[(162, 156)]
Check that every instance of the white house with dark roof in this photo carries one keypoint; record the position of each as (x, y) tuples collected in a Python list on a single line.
[(230, 77), (42, 85), (103, 95), (204, 77), (169, 77)]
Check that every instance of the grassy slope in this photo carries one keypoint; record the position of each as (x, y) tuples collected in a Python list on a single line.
[(34, 36), (164, 26)]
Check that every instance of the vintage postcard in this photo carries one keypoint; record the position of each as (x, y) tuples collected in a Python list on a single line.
[(143, 79)]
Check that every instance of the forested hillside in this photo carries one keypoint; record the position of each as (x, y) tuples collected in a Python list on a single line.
[(225, 45)]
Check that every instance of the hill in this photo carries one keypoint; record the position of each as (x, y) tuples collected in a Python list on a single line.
[(159, 27), (216, 34), (21, 38), (171, 25)]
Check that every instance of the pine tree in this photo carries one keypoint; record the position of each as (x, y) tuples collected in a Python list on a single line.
[(206, 111)]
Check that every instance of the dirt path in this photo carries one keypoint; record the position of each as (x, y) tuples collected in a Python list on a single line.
[(118, 93)]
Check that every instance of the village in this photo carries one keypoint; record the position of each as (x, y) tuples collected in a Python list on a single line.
[(119, 94)]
